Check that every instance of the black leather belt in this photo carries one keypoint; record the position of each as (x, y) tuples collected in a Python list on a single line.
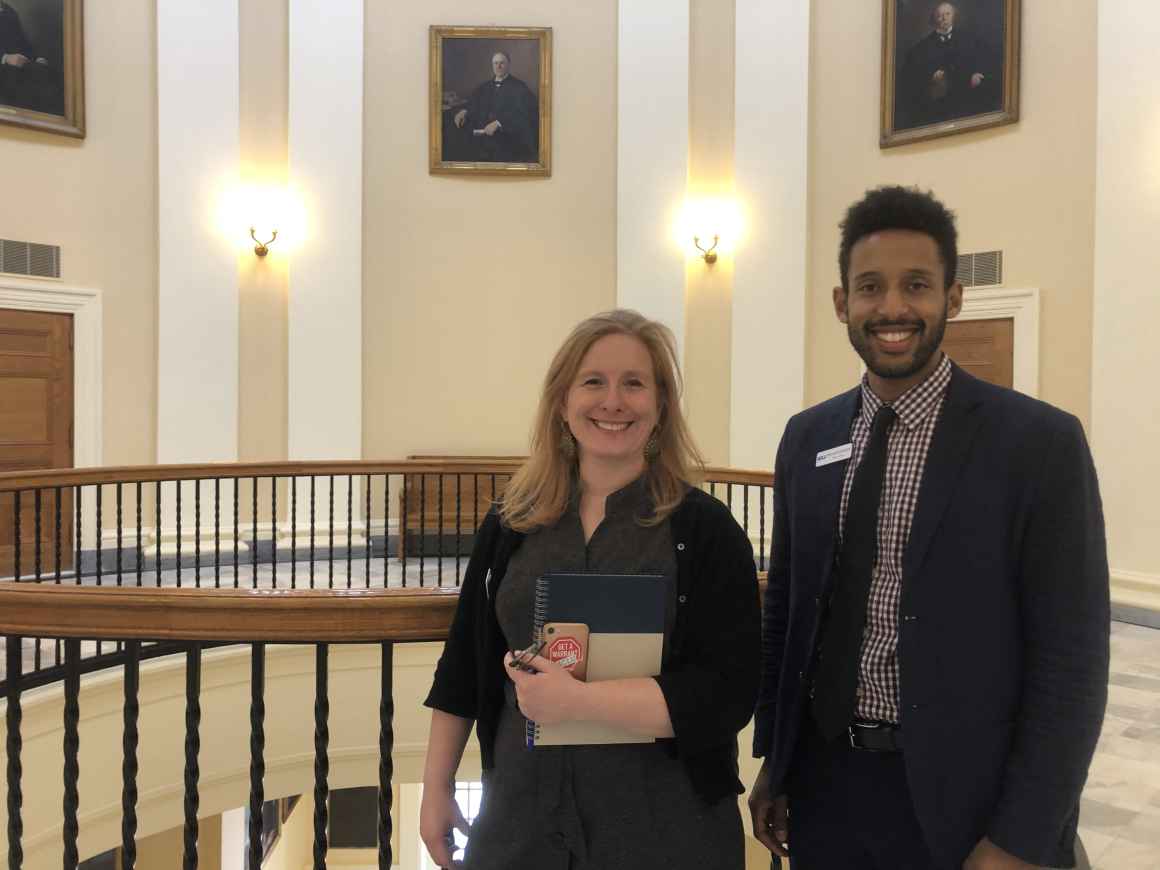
[(875, 736)]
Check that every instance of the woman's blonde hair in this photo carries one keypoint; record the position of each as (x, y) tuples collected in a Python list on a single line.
[(538, 492)]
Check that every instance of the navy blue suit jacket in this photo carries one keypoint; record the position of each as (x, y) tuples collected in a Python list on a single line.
[(1003, 623)]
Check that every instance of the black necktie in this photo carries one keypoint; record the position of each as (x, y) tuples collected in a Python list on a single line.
[(840, 650)]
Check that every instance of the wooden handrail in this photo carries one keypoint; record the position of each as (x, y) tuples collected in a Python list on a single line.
[(276, 615), (230, 615), (48, 478), (65, 477)]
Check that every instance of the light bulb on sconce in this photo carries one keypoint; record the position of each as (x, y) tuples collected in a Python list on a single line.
[(714, 225), (709, 255), (262, 248), (267, 213)]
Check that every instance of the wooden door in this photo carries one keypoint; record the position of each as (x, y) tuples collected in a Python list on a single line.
[(985, 348), (36, 431)]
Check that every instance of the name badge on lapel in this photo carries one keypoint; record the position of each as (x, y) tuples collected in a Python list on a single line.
[(834, 454)]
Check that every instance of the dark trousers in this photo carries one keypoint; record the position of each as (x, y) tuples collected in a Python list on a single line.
[(849, 808)]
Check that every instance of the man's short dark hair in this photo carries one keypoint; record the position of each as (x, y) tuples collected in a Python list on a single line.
[(900, 208)]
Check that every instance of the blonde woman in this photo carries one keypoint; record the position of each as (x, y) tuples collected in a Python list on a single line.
[(607, 487)]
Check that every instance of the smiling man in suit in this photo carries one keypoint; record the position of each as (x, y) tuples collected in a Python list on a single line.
[(935, 652)]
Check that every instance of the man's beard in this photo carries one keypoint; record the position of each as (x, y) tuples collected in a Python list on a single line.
[(863, 341)]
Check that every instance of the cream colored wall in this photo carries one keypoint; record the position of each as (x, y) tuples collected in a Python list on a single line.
[(708, 289), (97, 199), (262, 281), (470, 284), (164, 851), (1026, 189)]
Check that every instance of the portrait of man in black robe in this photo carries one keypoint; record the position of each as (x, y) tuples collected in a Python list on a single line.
[(28, 78), (498, 123), (952, 72)]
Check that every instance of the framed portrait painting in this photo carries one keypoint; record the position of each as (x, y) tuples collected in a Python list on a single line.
[(491, 100), (42, 65), (948, 66)]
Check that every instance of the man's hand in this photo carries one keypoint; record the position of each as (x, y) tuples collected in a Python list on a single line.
[(939, 75), (15, 59), (490, 129), (976, 80), (769, 815), (549, 695), (439, 814), (460, 117), (987, 856)]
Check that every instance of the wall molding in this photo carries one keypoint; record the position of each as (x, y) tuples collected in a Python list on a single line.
[(1136, 589), (1022, 306), (85, 307)]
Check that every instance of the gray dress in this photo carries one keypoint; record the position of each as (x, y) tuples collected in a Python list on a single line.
[(593, 807)]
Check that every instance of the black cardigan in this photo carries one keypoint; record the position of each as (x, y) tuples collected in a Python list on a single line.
[(710, 681)]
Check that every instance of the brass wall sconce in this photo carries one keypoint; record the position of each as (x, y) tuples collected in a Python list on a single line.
[(262, 248), (709, 255)]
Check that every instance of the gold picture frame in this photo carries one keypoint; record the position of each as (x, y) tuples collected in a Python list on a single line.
[(46, 91), (939, 82), (467, 133)]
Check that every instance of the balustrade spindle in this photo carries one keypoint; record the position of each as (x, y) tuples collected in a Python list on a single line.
[(312, 531), (761, 532), (13, 747), (403, 530), (217, 532), (71, 802), (192, 749), (330, 539), (237, 531), (439, 532), (157, 534), (321, 750), (140, 548), (36, 503), (274, 531), (120, 496), (77, 491), (129, 756), (422, 524), (386, 747), (367, 536), (386, 530), (16, 542), (745, 508), (293, 532), (254, 532), (458, 518), (197, 533), (177, 487), (349, 526), (57, 536), (257, 749)]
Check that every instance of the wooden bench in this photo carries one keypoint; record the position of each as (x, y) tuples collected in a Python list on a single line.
[(428, 520)]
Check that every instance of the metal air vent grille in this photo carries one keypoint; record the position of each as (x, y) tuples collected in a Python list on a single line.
[(983, 269), (29, 258)]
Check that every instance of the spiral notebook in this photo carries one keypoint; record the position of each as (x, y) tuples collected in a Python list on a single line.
[(625, 619)]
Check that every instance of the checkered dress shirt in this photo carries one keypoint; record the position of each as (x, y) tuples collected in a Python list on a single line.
[(907, 443)]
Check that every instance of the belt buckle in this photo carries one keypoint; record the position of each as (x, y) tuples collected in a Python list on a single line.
[(865, 727)]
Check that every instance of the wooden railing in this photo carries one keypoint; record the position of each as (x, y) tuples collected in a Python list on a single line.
[(191, 617), (104, 568)]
